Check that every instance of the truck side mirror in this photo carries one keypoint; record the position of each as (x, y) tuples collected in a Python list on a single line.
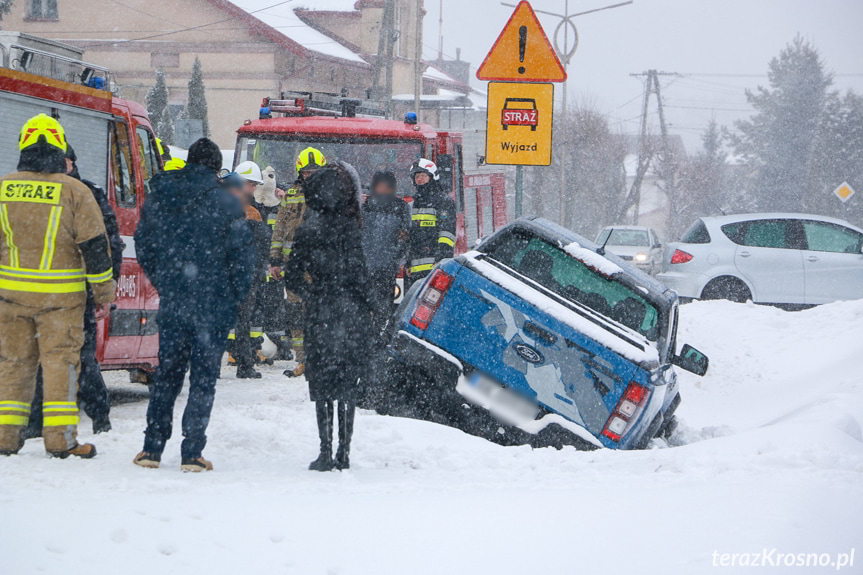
[(691, 360)]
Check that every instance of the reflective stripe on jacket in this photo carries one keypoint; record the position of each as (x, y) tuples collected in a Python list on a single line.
[(433, 228), (52, 242), (292, 212)]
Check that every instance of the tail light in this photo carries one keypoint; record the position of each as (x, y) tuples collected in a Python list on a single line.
[(680, 257), (626, 412), (430, 298)]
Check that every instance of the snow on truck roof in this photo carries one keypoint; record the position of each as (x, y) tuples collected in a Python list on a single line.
[(282, 19)]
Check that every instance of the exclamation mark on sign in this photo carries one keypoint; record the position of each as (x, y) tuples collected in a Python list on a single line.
[(522, 46)]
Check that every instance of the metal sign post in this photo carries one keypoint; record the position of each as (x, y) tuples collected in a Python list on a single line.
[(519, 68)]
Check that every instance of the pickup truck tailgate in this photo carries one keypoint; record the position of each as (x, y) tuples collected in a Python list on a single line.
[(528, 349)]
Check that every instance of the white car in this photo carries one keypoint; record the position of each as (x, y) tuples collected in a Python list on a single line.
[(637, 244), (794, 259)]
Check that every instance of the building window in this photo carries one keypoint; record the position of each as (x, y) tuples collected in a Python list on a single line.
[(42, 10), (165, 60)]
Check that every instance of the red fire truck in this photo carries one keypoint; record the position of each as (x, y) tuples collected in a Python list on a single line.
[(357, 132), (116, 149)]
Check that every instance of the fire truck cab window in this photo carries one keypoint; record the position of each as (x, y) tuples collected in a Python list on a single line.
[(121, 167), (147, 154), (367, 156)]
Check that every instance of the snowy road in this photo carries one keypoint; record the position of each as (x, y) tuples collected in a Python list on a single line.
[(770, 455)]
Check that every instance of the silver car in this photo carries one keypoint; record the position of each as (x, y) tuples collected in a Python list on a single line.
[(637, 244), (795, 259)]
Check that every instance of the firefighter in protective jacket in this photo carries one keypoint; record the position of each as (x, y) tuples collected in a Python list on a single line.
[(52, 245), (433, 220), (292, 213)]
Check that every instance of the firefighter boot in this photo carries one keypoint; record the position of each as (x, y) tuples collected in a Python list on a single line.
[(347, 409), (248, 372), (324, 413), (82, 450), (13, 451)]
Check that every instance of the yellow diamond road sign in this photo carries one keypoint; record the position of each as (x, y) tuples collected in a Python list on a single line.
[(519, 124), (844, 192)]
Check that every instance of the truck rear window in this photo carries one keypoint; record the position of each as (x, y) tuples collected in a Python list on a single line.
[(367, 156), (557, 271)]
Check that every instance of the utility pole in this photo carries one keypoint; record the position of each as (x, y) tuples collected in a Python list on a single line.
[(383, 63), (440, 32), (418, 60), (392, 37), (667, 169)]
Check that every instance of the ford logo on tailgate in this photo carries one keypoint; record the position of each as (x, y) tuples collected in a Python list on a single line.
[(528, 353)]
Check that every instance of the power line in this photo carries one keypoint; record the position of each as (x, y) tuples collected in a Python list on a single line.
[(710, 108), (185, 29), (762, 75)]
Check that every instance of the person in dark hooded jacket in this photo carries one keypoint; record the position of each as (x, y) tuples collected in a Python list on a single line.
[(386, 229), (328, 270), (195, 246)]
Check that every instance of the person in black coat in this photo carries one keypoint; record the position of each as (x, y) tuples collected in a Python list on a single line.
[(327, 268), (195, 246)]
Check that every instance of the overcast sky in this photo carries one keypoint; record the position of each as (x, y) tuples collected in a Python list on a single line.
[(723, 46)]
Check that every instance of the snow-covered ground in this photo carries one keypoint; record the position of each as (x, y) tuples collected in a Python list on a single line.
[(769, 454)]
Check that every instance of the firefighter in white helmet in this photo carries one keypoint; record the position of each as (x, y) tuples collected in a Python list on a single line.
[(433, 220)]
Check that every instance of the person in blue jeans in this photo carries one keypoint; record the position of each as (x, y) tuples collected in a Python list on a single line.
[(196, 248)]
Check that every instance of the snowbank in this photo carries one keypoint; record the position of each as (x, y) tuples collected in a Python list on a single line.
[(769, 455)]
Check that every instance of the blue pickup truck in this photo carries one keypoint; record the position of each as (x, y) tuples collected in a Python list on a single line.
[(539, 338)]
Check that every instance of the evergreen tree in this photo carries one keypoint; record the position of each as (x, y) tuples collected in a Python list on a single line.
[(705, 178), (197, 106), (160, 114), (837, 158), (779, 140)]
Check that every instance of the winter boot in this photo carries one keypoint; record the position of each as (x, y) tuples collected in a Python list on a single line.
[(82, 450), (195, 465), (347, 409), (261, 359), (246, 372), (324, 413), (297, 371), (148, 460), (101, 425), (231, 360)]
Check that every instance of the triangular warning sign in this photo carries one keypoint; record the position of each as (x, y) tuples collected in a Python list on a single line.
[(522, 52)]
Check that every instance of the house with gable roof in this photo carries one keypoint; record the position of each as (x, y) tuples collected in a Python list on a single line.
[(249, 49)]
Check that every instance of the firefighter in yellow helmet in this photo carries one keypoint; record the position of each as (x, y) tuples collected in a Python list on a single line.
[(292, 212), (52, 245), (169, 162)]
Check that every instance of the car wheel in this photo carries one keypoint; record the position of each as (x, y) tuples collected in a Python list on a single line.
[(727, 287)]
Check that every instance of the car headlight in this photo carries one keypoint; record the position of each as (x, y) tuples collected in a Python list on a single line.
[(641, 257)]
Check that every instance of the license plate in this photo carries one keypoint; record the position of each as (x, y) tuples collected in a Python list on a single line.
[(508, 405)]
